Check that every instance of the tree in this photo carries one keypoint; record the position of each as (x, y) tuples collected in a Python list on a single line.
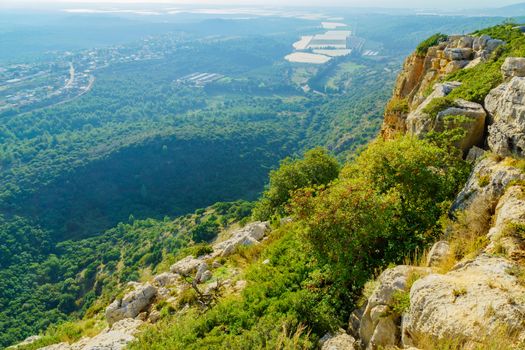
[(316, 168), (386, 203)]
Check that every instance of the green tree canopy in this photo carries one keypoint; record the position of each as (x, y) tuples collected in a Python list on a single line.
[(316, 168)]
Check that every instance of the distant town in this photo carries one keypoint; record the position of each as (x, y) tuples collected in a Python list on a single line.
[(68, 75)]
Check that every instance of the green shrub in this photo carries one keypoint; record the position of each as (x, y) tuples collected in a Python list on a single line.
[(400, 302), (422, 48), (200, 249), (385, 205), (396, 105), (316, 168), (477, 81), (284, 306), (437, 105)]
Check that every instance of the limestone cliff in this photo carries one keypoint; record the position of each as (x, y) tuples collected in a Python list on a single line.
[(422, 70), (469, 292)]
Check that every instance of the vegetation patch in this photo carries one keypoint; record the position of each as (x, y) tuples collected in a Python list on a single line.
[(400, 302), (422, 48), (437, 105), (397, 106)]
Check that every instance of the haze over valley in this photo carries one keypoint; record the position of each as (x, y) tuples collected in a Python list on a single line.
[(134, 135)]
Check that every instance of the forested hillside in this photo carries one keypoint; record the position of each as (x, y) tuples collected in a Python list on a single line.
[(104, 188)]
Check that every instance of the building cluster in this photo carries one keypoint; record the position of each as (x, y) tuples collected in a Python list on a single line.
[(70, 74), (336, 41), (199, 79)]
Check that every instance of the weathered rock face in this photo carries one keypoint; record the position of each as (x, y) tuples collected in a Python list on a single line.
[(469, 116), (379, 325), (440, 250), (166, 279), (132, 304), (339, 341), (114, 338), (420, 73), (467, 303), (488, 181), (26, 341), (186, 266), (510, 211), (506, 107), (513, 67), (248, 235)]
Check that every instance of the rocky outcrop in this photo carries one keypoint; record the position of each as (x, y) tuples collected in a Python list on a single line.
[(505, 236), (479, 297), (487, 181), (463, 114), (513, 67), (166, 279), (379, 325), (440, 251), (114, 338), (506, 107), (132, 304), (187, 265), (338, 341), (419, 73), (248, 235), (26, 341), (469, 303)]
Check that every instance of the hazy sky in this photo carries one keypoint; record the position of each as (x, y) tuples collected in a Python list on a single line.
[(443, 4)]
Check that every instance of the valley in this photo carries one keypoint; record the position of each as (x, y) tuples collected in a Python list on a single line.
[(121, 154)]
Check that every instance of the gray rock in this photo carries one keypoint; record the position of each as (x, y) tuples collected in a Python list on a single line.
[(493, 44), (513, 67), (468, 303), (474, 154), (154, 316), (506, 106), (420, 123), (440, 250), (465, 114), (379, 327), (206, 276), (337, 341), (510, 210), (474, 63), (498, 176), (132, 304), (166, 279), (459, 54), (248, 235), (480, 43), (186, 266), (59, 346), (473, 122), (453, 66), (114, 338), (201, 270), (26, 341)]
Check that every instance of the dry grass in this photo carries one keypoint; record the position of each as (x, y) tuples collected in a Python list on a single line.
[(516, 163), (500, 339), (289, 340), (419, 258), (469, 231)]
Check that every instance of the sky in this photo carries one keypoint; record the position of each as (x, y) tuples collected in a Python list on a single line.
[(442, 4)]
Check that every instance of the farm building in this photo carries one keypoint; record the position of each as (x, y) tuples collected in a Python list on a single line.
[(335, 39)]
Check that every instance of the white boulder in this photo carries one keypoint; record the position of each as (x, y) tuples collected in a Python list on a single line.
[(506, 107), (132, 304), (469, 303)]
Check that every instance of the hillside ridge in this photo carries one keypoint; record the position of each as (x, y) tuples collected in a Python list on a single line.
[(417, 243)]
